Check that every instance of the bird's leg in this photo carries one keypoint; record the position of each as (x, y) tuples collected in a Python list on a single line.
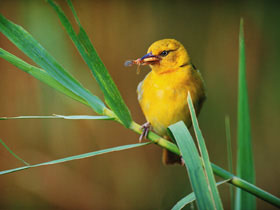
[(146, 127)]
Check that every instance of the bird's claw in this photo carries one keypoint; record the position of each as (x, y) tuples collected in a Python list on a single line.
[(146, 127)]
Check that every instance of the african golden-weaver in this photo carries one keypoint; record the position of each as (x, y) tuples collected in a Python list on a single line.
[(163, 93)]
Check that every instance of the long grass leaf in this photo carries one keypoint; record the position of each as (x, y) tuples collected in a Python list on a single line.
[(14, 154), (229, 157), (205, 157), (111, 93), (27, 44), (39, 74), (98, 69), (68, 117), (245, 163), (77, 157), (194, 166), (190, 198)]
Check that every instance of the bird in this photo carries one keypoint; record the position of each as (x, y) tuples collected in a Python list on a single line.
[(163, 92)]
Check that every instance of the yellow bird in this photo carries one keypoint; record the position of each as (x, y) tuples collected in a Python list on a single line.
[(163, 93)]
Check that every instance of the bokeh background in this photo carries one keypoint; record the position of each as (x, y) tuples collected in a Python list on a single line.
[(122, 30)]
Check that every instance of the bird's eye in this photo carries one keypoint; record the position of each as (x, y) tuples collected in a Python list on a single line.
[(164, 53)]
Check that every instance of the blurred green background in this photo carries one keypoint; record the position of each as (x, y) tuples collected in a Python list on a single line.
[(122, 30)]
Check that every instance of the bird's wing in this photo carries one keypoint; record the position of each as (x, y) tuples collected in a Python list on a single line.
[(140, 90)]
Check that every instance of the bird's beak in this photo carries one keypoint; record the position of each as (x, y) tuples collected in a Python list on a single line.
[(149, 59)]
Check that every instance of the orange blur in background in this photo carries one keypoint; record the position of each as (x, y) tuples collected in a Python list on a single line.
[(123, 30)]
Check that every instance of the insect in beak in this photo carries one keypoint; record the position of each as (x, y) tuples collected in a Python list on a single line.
[(148, 59)]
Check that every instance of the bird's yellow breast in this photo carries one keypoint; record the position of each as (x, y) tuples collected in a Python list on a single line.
[(163, 97)]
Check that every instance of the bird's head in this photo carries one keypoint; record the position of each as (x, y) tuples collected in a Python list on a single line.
[(166, 55)]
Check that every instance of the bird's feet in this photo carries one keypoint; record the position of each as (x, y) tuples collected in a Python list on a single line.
[(146, 127)]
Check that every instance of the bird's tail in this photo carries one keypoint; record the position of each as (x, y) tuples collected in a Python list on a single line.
[(169, 158)]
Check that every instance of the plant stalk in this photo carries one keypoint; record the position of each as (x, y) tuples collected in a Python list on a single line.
[(234, 180)]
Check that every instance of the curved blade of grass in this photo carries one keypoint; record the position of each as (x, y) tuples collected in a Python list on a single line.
[(98, 69), (27, 44), (69, 117), (194, 166), (229, 154), (39, 74), (245, 162), (205, 157), (191, 197), (16, 156), (184, 201), (77, 157)]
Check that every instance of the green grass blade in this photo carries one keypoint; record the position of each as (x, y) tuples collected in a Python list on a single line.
[(77, 157), (229, 157), (190, 198), (83, 117), (184, 201), (194, 166), (245, 163), (98, 69), (205, 157), (39, 74), (69, 117), (27, 44), (16, 156)]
